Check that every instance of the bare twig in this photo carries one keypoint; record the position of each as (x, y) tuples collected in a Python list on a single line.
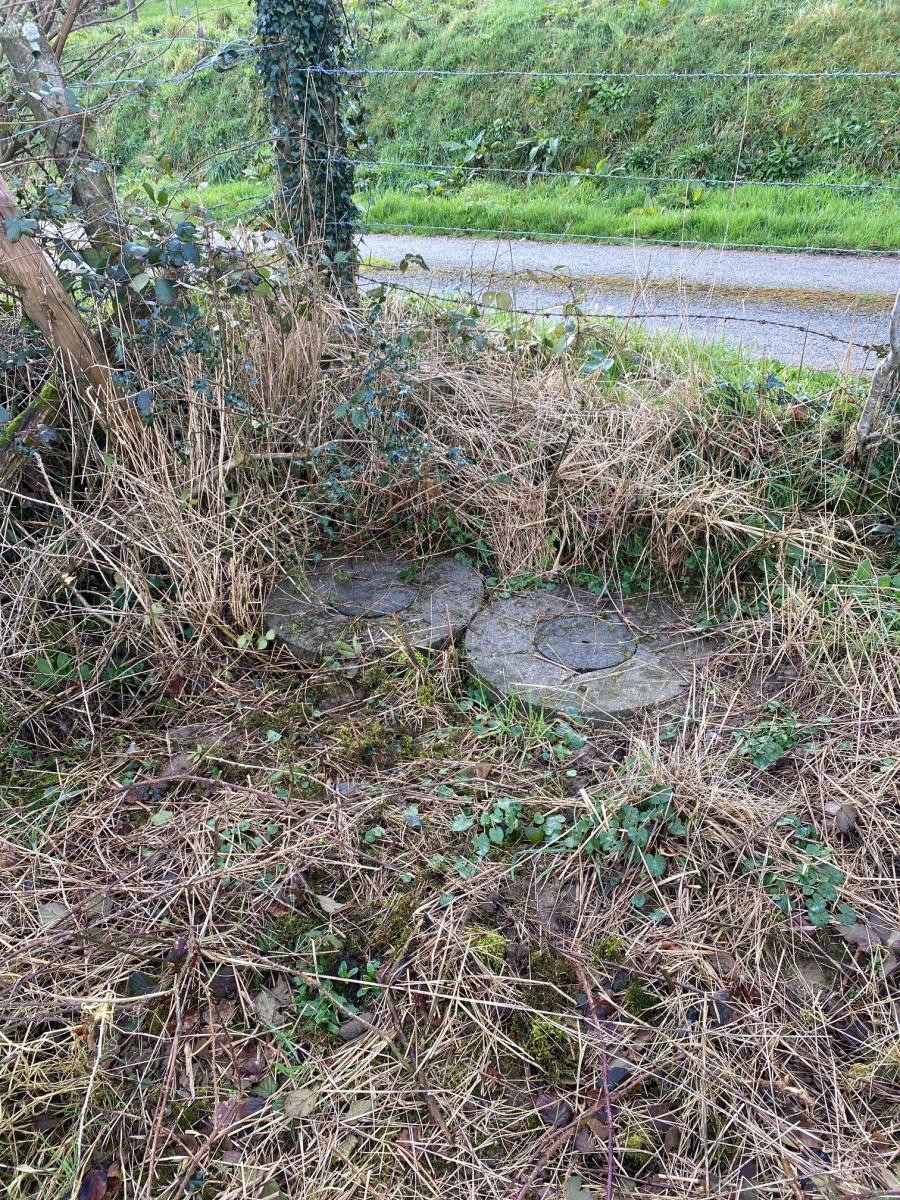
[(591, 1005)]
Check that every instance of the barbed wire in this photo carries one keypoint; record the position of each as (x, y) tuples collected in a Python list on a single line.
[(229, 54), (474, 298), (512, 73), (234, 52), (612, 239), (612, 177)]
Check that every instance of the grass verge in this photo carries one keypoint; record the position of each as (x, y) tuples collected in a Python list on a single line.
[(750, 215)]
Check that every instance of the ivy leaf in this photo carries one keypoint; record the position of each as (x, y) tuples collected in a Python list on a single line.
[(656, 865), (412, 260), (17, 227), (598, 363), (165, 293)]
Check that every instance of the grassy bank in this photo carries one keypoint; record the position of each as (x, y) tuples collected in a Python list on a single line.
[(210, 126), (780, 128), (747, 216)]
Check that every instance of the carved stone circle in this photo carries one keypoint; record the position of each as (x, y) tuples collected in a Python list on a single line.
[(370, 600), (571, 651)]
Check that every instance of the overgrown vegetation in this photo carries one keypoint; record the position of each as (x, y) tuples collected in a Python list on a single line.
[(244, 898), (273, 930)]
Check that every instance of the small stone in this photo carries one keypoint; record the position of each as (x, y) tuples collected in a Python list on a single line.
[(356, 1027)]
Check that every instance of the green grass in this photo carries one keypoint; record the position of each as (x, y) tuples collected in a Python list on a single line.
[(211, 127), (749, 215)]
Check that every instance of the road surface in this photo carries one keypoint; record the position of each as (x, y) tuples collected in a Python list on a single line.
[(815, 310)]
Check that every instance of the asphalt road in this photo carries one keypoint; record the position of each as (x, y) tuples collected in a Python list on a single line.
[(817, 310)]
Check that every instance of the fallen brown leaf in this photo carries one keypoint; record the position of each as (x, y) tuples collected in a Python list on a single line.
[(44, 1122), (100, 1184), (553, 1111), (229, 1112), (300, 1103)]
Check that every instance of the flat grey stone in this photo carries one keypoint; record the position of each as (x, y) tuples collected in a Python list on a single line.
[(370, 588), (585, 641), (363, 600), (574, 652)]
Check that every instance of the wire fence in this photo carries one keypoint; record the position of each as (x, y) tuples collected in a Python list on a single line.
[(227, 55), (101, 88)]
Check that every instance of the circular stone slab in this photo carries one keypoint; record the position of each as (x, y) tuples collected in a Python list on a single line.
[(360, 602), (371, 588), (574, 652), (585, 641)]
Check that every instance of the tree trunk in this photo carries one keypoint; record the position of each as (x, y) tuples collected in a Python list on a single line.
[(26, 269), (66, 131)]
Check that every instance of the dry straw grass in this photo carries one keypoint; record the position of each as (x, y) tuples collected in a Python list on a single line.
[(186, 848)]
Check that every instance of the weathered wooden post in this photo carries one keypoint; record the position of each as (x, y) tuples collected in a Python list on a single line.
[(302, 64)]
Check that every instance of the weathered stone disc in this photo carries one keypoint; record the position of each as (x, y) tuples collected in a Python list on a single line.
[(585, 641), (573, 652), (362, 600)]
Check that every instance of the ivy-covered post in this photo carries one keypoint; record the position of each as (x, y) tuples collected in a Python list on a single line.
[(302, 56)]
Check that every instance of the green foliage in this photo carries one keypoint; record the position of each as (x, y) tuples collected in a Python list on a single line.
[(628, 832), (775, 129), (500, 825), (511, 724), (621, 834), (316, 1006), (777, 126), (801, 873), (325, 1005), (770, 739), (61, 668)]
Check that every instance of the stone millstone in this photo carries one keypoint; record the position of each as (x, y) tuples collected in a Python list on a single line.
[(364, 599), (571, 651)]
